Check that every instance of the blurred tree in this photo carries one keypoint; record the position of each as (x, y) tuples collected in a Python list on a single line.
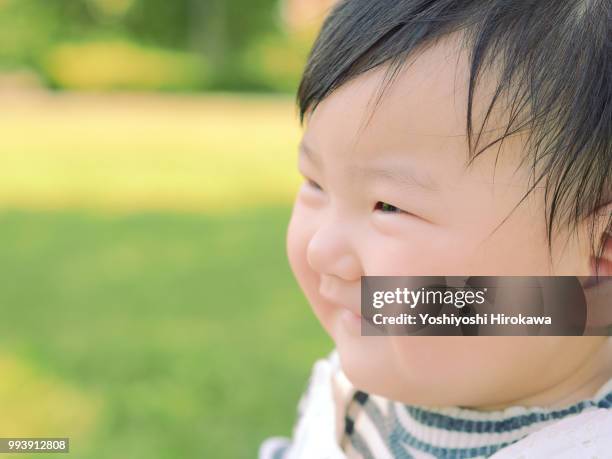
[(237, 38), (160, 22), (221, 30), (305, 14), (208, 29), (224, 30)]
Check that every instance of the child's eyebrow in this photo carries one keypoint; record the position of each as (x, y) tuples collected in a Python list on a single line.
[(305, 150), (405, 177)]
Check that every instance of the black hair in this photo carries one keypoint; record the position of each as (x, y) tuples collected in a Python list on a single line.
[(555, 63)]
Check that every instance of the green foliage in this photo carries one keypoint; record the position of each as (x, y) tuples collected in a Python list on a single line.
[(277, 63), (227, 34), (122, 65)]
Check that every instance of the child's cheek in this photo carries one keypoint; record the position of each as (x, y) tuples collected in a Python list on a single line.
[(302, 227)]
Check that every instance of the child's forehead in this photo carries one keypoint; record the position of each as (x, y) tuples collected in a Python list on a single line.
[(424, 107), (420, 122)]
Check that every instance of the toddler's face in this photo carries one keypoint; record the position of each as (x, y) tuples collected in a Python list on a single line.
[(394, 197)]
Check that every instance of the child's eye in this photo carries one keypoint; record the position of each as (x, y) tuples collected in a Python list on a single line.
[(386, 207), (314, 185)]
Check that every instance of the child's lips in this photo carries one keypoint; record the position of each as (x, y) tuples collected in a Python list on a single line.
[(338, 304), (340, 294)]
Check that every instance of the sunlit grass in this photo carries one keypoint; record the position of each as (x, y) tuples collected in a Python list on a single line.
[(135, 152), (35, 404)]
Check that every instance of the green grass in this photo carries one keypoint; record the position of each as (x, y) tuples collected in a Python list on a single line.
[(147, 309), (164, 335), (128, 153)]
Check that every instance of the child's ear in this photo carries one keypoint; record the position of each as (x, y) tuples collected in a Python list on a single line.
[(598, 289)]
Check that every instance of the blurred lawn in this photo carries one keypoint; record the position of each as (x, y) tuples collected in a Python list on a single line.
[(148, 310), (139, 152)]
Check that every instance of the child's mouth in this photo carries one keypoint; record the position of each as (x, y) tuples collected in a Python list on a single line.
[(341, 297), (346, 309)]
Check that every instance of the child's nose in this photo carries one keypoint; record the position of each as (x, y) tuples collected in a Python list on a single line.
[(330, 251)]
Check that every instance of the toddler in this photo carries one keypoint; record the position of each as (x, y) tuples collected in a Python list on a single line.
[(453, 138)]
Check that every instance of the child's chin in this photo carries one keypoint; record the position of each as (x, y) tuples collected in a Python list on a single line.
[(365, 361), (369, 364), (374, 379)]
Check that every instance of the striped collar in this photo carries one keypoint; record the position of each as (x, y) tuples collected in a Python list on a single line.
[(374, 424)]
